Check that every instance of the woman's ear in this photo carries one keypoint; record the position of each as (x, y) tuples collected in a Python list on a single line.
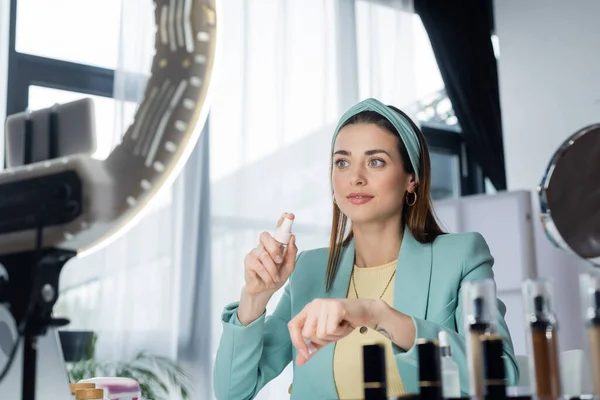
[(412, 184)]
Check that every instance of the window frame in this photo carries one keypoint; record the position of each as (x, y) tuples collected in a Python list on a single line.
[(449, 140), (25, 70)]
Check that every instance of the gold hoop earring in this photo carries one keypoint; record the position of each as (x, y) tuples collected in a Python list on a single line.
[(414, 200)]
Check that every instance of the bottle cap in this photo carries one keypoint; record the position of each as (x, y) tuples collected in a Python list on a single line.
[(429, 361), (89, 394), (374, 372), (284, 232), (443, 338), (538, 296), (76, 386), (479, 299)]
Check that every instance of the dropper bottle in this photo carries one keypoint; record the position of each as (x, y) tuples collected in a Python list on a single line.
[(450, 372), (542, 338), (479, 309)]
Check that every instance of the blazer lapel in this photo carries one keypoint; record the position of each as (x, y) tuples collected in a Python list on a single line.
[(411, 288), (341, 283), (413, 277)]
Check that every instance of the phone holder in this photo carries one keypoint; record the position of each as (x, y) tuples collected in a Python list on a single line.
[(58, 131)]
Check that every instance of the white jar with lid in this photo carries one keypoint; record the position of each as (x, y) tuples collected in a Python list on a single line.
[(117, 388)]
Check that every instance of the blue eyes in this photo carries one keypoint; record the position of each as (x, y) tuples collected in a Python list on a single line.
[(375, 163)]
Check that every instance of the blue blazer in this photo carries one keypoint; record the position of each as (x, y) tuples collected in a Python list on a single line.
[(427, 287)]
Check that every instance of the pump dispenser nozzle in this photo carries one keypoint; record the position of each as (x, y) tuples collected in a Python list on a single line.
[(284, 231)]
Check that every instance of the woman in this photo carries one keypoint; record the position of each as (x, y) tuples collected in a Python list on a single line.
[(394, 278)]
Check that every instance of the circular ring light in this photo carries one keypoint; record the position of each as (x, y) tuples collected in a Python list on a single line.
[(153, 150)]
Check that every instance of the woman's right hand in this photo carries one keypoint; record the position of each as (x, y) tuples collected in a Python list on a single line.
[(266, 268)]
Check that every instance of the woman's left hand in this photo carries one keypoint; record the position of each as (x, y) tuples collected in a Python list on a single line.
[(323, 321)]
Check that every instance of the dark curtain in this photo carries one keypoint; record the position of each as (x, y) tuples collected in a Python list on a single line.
[(460, 35)]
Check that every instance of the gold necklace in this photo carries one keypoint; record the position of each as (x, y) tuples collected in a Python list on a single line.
[(364, 329), (386, 286)]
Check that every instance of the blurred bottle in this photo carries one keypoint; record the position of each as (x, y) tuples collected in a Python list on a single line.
[(374, 372), (450, 372), (430, 374)]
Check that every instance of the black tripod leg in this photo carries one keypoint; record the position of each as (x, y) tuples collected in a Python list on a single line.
[(29, 367)]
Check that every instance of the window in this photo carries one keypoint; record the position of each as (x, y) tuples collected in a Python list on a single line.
[(50, 64), (388, 34), (49, 29), (58, 52), (39, 47), (445, 182)]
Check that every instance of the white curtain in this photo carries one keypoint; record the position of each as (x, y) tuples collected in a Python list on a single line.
[(128, 292), (386, 51), (289, 70)]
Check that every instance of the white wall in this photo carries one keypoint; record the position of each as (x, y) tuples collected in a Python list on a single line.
[(549, 67), (504, 220)]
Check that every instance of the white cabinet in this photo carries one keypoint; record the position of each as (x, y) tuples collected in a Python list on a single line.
[(505, 221)]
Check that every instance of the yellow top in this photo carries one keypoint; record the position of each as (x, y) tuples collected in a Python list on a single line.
[(347, 360)]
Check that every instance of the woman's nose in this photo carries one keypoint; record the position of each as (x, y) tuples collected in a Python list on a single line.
[(358, 177)]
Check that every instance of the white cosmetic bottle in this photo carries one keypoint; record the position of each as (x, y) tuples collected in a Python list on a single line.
[(283, 234), (450, 372)]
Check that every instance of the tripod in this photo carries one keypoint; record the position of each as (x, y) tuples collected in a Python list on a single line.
[(31, 290), (31, 295), (33, 276)]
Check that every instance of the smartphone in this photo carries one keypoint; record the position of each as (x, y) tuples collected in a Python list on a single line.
[(52, 132)]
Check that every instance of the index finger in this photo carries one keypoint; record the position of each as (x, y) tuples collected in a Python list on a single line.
[(284, 216), (295, 327)]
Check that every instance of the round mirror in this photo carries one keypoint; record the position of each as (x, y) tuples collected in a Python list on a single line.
[(570, 195)]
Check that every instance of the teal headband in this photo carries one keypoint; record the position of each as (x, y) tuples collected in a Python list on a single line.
[(407, 134)]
